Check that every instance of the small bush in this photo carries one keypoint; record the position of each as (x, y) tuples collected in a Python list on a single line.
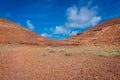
[(102, 55), (48, 48), (114, 52), (44, 54), (62, 50), (68, 54), (51, 51)]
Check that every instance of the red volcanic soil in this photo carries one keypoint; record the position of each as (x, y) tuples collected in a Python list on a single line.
[(107, 33), (28, 63), (11, 33)]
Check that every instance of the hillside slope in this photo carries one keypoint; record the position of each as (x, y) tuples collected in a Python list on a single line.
[(11, 33), (107, 33)]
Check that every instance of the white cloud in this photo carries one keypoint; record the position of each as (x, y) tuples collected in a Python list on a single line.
[(95, 20), (46, 35), (73, 33), (61, 30), (81, 18), (30, 25), (77, 19)]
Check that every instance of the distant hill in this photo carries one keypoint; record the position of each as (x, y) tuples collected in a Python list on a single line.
[(11, 33), (107, 33)]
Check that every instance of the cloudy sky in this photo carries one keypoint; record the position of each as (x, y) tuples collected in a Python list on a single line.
[(59, 19)]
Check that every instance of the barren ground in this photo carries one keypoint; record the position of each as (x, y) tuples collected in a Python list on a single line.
[(59, 63)]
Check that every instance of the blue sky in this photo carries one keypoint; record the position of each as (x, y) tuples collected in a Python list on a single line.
[(59, 19)]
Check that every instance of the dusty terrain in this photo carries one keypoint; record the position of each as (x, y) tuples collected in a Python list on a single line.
[(58, 63), (93, 55)]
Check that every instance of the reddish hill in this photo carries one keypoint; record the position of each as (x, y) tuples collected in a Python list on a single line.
[(11, 33), (107, 33)]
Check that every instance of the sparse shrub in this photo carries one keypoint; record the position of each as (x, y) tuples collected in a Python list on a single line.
[(51, 51), (44, 54), (117, 56), (68, 54), (62, 50), (48, 48), (114, 52), (84, 51), (102, 55), (65, 52), (79, 33)]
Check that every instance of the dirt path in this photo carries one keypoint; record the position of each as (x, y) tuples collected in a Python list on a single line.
[(28, 64)]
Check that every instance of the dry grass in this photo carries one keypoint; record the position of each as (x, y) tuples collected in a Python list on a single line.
[(43, 54), (6, 49), (68, 54)]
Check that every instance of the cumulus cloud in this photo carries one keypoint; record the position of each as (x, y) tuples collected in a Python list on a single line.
[(30, 25), (46, 35), (61, 30), (78, 19), (81, 18)]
